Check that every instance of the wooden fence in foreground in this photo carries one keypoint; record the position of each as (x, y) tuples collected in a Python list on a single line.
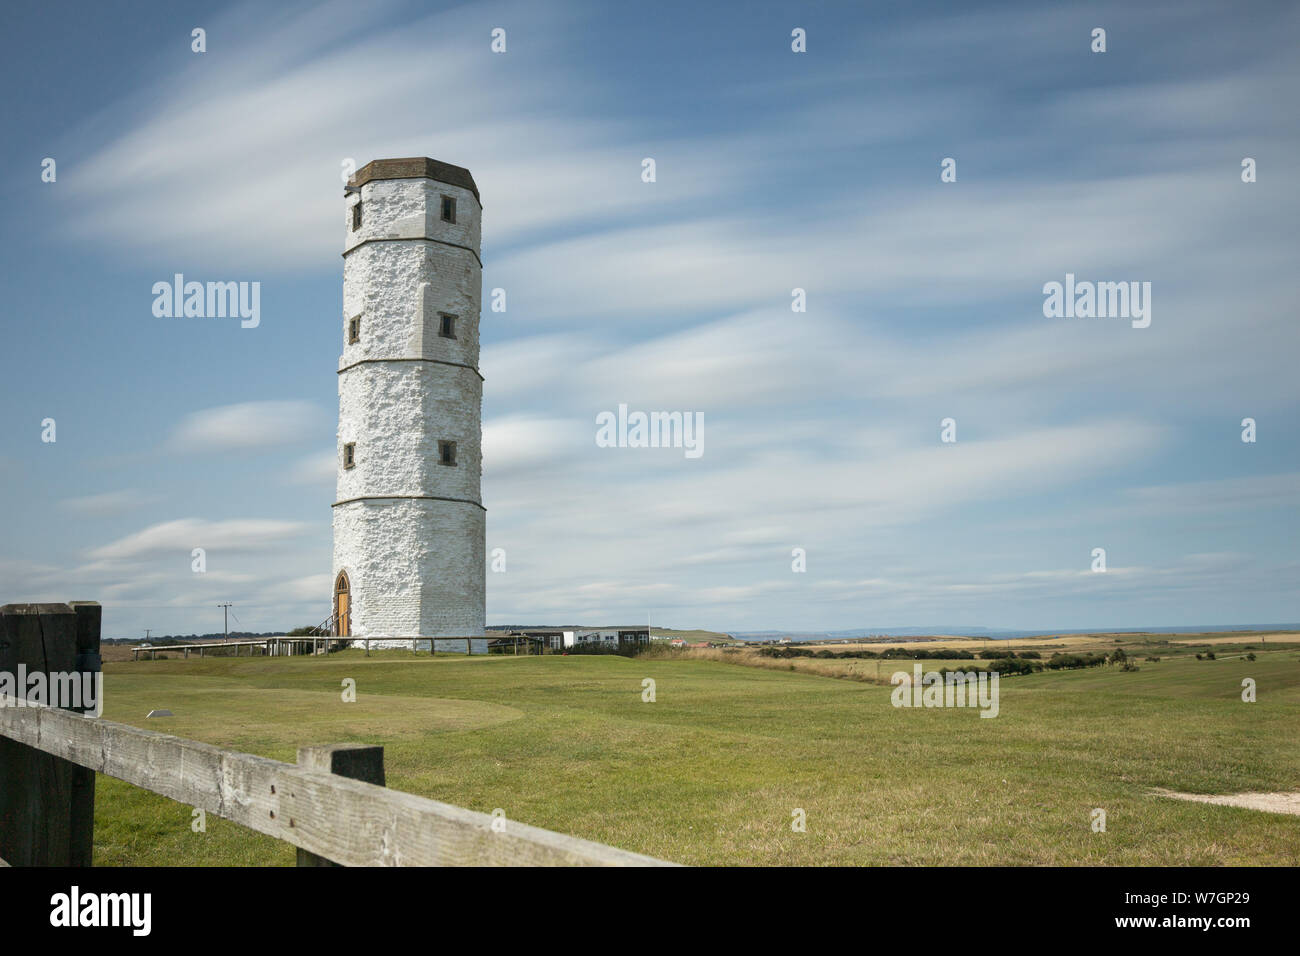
[(331, 805)]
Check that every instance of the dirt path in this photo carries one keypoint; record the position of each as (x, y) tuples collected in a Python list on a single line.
[(1268, 802)]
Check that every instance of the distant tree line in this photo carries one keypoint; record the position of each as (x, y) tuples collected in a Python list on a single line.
[(1006, 662), (898, 653)]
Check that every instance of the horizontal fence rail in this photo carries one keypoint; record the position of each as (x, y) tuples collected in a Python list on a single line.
[(271, 646), (346, 821)]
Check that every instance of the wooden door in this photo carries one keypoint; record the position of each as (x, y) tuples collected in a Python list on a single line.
[(342, 606)]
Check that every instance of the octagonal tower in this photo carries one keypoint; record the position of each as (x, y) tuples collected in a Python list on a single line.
[(409, 521)]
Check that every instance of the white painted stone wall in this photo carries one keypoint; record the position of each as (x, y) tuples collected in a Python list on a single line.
[(408, 530)]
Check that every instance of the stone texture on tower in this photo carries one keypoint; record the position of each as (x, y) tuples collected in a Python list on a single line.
[(408, 523)]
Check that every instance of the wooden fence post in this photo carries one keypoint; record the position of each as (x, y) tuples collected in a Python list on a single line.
[(47, 804), (89, 618), (356, 761)]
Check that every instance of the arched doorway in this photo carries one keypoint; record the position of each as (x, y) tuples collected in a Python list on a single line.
[(342, 606)]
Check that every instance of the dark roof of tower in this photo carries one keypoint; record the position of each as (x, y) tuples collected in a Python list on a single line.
[(415, 167)]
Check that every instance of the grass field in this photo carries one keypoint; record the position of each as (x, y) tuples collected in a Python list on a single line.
[(711, 771)]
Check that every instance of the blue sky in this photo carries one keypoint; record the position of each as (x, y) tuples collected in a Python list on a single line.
[(775, 170)]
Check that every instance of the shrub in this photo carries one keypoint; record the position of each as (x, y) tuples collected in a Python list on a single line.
[(1250, 656), (1059, 661), (621, 648), (1013, 665)]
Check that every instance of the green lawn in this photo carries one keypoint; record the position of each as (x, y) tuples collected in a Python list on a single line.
[(711, 771)]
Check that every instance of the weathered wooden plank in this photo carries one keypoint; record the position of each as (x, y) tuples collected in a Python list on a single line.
[(354, 761), (348, 821)]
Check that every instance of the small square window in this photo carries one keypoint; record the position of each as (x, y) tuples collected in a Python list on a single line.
[(448, 209), (356, 217), (354, 330), (447, 452), (447, 325), (350, 455)]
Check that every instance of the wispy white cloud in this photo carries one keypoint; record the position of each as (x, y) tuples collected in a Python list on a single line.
[(266, 124), (525, 441), (106, 503), (1255, 492), (184, 534), (318, 469), (247, 425)]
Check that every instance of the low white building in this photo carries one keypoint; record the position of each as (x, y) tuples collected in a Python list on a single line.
[(565, 637)]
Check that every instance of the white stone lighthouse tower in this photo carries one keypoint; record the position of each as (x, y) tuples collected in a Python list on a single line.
[(408, 514)]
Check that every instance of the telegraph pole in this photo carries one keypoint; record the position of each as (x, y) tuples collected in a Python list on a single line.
[(225, 615)]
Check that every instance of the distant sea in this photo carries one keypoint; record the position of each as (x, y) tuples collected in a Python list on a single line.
[(995, 633)]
